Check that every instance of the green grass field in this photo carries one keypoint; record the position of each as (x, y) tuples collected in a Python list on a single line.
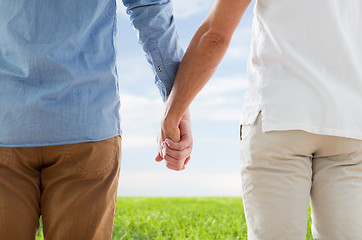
[(204, 218)]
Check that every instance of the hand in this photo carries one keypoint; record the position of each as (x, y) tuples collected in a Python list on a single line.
[(175, 143)]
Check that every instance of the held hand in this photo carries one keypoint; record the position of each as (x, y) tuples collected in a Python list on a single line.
[(164, 133), (175, 143)]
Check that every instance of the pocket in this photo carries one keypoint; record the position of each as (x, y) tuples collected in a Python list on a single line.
[(245, 128), (5, 156), (95, 159)]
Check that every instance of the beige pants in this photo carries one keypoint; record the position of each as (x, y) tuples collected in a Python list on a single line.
[(281, 170), (72, 186)]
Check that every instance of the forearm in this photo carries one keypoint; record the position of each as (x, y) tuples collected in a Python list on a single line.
[(203, 55), (154, 22), (200, 62)]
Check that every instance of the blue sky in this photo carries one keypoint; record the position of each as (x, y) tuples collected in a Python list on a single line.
[(214, 166)]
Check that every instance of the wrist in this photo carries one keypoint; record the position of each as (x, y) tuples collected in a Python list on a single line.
[(172, 117)]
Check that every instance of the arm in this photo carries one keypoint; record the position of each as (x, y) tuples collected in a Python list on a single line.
[(154, 22), (205, 52), (153, 19)]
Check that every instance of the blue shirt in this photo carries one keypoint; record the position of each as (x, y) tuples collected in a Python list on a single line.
[(58, 78)]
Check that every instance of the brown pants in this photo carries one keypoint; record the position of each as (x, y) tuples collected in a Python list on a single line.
[(72, 186)]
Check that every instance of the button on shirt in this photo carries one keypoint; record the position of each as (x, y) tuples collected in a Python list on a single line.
[(305, 68), (58, 81)]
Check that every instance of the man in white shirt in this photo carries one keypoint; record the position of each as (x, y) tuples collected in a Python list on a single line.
[(302, 114)]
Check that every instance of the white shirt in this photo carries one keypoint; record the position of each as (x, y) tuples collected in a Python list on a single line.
[(305, 67)]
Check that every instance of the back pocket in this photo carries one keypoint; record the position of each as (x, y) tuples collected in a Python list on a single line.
[(94, 159)]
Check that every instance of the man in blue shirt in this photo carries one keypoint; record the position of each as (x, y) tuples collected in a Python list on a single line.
[(59, 110)]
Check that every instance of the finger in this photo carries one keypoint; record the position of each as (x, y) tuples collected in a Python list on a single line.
[(185, 143), (179, 155), (174, 136), (174, 162), (175, 168), (187, 160), (159, 158)]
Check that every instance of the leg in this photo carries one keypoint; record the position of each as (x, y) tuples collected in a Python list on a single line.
[(79, 190), (19, 193), (336, 196), (276, 180)]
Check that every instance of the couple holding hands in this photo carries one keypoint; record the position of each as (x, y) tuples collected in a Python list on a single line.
[(301, 119)]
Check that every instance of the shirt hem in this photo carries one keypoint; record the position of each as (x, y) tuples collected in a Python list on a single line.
[(62, 142)]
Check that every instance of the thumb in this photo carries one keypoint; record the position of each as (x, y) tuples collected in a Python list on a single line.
[(159, 158), (173, 134)]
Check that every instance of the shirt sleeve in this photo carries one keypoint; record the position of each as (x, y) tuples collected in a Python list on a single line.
[(154, 22)]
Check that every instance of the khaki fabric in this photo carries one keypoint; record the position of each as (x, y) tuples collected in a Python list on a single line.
[(282, 170), (73, 187)]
